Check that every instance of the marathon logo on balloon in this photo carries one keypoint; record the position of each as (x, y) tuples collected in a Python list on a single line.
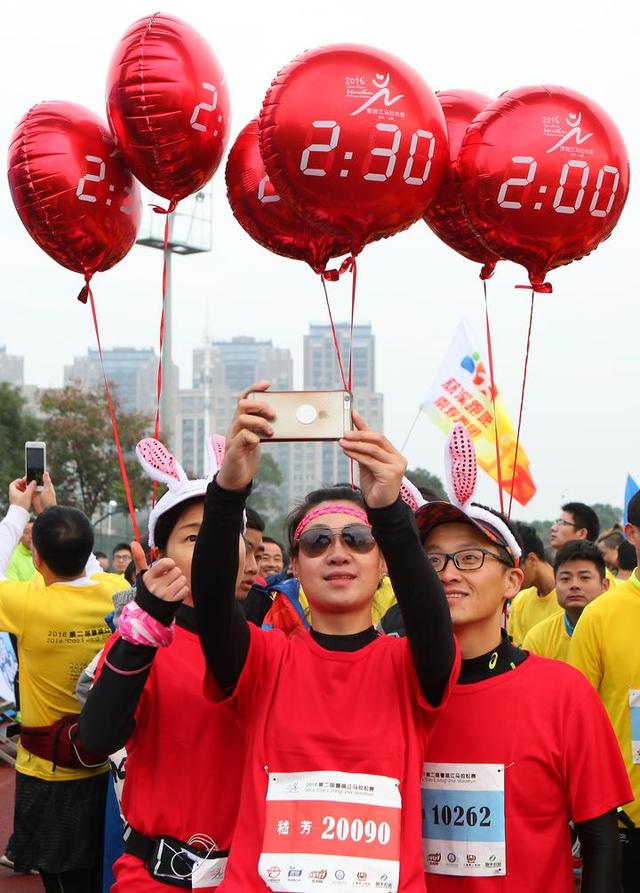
[(552, 127), (356, 88)]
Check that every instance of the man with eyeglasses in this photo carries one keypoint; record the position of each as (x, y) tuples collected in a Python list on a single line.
[(577, 521), (512, 759)]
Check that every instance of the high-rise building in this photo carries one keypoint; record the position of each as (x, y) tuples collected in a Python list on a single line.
[(220, 370), (131, 371), (11, 368), (322, 372), (321, 368)]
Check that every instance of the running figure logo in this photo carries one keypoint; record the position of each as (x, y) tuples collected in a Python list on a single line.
[(573, 122), (381, 84)]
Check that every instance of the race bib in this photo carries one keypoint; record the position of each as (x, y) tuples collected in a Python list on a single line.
[(463, 819), (331, 831), (634, 707)]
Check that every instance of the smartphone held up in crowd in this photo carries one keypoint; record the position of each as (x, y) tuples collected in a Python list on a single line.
[(35, 461)]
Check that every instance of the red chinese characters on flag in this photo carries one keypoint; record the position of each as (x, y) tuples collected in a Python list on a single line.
[(461, 392)]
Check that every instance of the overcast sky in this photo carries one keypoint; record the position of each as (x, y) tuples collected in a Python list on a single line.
[(581, 416)]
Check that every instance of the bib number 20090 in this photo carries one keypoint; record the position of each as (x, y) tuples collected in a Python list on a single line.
[(331, 831), (356, 830)]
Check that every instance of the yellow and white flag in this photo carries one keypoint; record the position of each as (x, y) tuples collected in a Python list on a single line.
[(461, 392)]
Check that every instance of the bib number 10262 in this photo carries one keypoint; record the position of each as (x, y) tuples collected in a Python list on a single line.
[(458, 816)]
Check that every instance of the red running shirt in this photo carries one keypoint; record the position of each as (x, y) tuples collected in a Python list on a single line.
[(334, 748), (184, 764), (544, 728)]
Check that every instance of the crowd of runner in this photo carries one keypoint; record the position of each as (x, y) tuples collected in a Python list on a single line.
[(410, 695)]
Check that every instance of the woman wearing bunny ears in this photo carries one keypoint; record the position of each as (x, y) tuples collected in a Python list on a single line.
[(333, 716), (184, 755), (524, 745)]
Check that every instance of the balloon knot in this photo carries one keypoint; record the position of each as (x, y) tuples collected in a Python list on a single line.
[(160, 210), (346, 265), (542, 288), (83, 297), (487, 270)]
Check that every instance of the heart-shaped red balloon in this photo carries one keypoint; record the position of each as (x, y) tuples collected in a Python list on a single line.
[(168, 105), (355, 140), (71, 188), (445, 216), (544, 175), (265, 215)]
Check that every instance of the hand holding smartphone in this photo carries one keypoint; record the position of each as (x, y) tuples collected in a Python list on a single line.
[(35, 460), (307, 415)]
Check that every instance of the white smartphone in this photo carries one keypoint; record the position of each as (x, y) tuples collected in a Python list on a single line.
[(307, 415), (35, 461)]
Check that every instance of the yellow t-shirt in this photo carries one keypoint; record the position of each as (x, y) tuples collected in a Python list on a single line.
[(606, 648), (384, 598), (59, 629), (549, 638), (529, 608)]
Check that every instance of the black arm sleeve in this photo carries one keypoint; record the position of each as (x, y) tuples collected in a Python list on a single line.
[(222, 626), (420, 596), (600, 845), (108, 716)]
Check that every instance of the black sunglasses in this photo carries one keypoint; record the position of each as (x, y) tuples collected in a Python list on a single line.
[(316, 540)]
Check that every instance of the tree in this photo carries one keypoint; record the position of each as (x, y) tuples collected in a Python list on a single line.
[(17, 425), (265, 496), (607, 514), (420, 477), (81, 453)]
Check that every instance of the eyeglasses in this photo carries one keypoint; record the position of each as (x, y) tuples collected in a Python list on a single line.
[(316, 540), (464, 559), (560, 522)]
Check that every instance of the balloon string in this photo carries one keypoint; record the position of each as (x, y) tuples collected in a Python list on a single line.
[(156, 426), (347, 380), (354, 282), (114, 424), (524, 382), (334, 334), (493, 398)]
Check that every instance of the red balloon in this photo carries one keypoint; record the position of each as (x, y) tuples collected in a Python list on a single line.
[(544, 175), (355, 140), (268, 219), (168, 105), (445, 216), (71, 189)]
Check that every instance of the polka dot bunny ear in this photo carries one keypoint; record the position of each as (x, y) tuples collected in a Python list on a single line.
[(215, 445), (461, 466), (410, 494), (159, 463)]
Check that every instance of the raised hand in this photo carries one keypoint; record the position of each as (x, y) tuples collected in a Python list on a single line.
[(166, 581), (46, 497), (242, 448), (381, 465), (21, 493), (138, 557)]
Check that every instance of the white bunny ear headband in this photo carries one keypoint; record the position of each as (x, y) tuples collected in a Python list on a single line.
[(461, 469), (163, 467)]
